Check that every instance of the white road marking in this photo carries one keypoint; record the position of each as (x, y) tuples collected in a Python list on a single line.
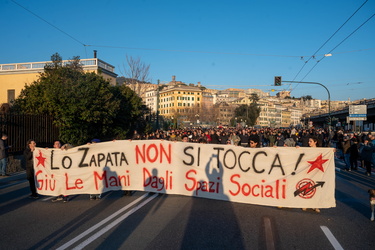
[(114, 223), (270, 242), (336, 245), (90, 230), (48, 198)]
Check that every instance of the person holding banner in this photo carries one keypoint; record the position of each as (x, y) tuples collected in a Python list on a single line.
[(313, 142), (95, 196), (64, 198), (30, 175)]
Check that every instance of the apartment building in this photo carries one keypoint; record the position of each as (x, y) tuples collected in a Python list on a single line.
[(150, 99), (14, 76), (224, 113), (180, 101)]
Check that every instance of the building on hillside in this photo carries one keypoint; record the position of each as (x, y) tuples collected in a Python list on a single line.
[(295, 116), (285, 118), (232, 93), (222, 98), (336, 105), (242, 101), (151, 99), (283, 94), (224, 114), (263, 119), (14, 76), (142, 88), (259, 92), (272, 115), (311, 103), (180, 102), (208, 101)]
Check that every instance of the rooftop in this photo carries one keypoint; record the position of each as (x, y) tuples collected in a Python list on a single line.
[(32, 66)]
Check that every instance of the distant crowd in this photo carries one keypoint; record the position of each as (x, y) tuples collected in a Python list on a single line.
[(266, 137), (354, 148)]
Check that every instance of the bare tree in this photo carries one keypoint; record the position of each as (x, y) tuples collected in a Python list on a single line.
[(136, 70), (136, 73)]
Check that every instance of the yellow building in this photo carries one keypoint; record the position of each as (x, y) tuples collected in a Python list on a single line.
[(180, 102), (14, 76), (286, 118)]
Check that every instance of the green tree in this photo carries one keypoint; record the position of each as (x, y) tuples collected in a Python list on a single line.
[(254, 98), (83, 105), (248, 113), (307, 97), (132, 111)]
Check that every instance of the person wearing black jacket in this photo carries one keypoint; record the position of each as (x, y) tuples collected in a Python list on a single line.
[(215, 139), (28, 153), (354, 154), (3, 155)]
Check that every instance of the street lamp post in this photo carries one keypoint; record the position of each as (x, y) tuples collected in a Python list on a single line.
[(157, 106), (329, 97)]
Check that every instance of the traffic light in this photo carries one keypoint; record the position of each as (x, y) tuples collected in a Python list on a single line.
[(328, 120), (278, 80)]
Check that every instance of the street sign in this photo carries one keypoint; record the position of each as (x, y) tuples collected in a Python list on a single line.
[(357, 113), (357, 109), (349, 118)]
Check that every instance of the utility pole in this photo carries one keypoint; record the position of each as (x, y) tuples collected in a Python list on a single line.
[(157, 106)]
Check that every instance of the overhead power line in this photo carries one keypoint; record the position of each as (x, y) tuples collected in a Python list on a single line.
[(318, 61), (44, 20), (188, 51), (329, 53)]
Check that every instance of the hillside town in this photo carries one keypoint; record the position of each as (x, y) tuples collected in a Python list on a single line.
[(191, 104), (185, 104)]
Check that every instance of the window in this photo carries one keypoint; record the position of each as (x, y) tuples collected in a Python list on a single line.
[(11, 95)]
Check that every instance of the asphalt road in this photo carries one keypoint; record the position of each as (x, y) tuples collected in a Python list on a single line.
[(156, 221)]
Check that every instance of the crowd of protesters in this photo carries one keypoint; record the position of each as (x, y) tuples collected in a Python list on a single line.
[(266, 137), (356, 149)]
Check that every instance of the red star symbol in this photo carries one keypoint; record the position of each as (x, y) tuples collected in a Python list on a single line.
[(41, 159), (318, 163)]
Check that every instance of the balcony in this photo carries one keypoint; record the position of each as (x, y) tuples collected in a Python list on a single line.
[(86, 63)]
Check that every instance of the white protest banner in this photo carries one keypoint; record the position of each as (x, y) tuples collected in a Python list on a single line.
[(288, 177)]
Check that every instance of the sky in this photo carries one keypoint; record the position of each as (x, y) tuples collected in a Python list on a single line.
[(220, 43)]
